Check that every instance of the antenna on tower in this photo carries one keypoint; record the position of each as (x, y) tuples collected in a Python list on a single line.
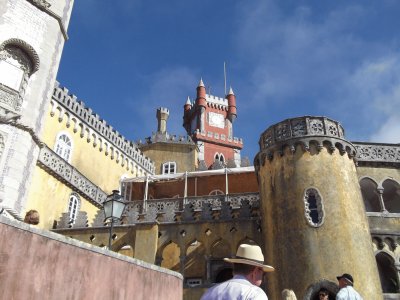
[(225, 78)]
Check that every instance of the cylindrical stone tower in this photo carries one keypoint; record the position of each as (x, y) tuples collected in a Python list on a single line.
[(314, 221)]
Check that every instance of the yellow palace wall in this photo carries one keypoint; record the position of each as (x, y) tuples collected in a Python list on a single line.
[(49, 196)]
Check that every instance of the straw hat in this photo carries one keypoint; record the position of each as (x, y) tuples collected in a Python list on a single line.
[(250, 255)]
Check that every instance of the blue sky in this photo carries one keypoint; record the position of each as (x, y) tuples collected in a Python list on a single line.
[(339, 59)]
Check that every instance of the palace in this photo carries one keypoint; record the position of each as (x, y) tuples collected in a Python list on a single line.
[(318, 204)]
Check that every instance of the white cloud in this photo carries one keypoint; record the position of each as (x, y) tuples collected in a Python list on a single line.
[(318, 62), (389, 131)]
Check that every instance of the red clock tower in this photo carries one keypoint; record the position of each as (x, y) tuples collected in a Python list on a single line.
[(209, 122)]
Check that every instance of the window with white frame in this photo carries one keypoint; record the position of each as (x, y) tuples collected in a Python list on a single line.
[(63, 146), (169, 167), (73, 207), (219, 157)]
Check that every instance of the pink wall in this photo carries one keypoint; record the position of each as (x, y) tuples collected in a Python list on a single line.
[(38, 264)]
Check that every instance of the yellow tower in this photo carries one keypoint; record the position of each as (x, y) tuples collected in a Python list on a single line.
[(314, 221)]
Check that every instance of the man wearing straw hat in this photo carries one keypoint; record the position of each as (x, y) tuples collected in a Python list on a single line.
[(248, 271)]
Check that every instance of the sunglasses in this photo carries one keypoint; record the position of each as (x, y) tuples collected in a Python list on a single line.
[(323, 295)]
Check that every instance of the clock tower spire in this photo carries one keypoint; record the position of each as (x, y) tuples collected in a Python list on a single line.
[(209, 122)]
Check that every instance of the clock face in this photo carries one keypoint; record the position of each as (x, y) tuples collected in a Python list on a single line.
[(216, 120)]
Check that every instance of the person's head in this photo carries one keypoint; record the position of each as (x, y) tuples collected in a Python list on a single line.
[(323, 294), (288, 295), (249, 262), (252, 273), (32, 217), (345, 280)]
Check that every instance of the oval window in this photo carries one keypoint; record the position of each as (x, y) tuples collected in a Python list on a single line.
[(314, 211)]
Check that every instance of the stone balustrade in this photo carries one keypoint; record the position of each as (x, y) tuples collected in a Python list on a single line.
[(377, 153), (66, 173), (226, 208)]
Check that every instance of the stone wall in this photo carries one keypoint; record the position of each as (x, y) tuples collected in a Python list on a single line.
[(37, 264)]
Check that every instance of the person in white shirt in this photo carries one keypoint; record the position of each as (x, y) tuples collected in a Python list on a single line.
[(248, 271), (347, 292)]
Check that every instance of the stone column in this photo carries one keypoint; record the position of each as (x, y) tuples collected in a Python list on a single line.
[(381, 202), (315, 226), (146, 243)]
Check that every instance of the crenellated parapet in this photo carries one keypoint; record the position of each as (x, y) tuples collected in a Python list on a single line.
[(377, 153), (304, 131), (217, 102), (217, 208), (215, 136), (164, 137), (97, 131)]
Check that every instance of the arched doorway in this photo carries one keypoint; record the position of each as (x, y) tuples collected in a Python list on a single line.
[(387, 273)]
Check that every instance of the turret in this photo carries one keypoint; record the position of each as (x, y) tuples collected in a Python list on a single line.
[(162, 117), (232, 114), (188, 105), (201, 95), (314, 221), (186, 114)]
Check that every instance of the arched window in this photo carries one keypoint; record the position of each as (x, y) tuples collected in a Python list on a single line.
[(391, 196), (314, 210), (219, 157), (216, 192), (73, 207), (18, 61), (63, 146), (387, 273), (169, 167), (370, 195)]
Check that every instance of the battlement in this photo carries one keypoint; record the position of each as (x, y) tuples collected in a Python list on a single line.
[(304, 131), (96, 129), (163, 110), (216, 100), (157, 137), (217, 136)]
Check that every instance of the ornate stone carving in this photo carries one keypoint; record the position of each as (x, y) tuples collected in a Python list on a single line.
[(9, 98), (299, 127), (42, 3), (377, 153), (193, 209), (316, 127), (303, 131), (66, 173), (331, 128), (282, 131), (9, 47)]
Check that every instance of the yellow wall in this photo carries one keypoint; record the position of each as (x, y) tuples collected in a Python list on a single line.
[(184, 155), (378, 174), (292, 245), (50, 196), (95, 165)]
